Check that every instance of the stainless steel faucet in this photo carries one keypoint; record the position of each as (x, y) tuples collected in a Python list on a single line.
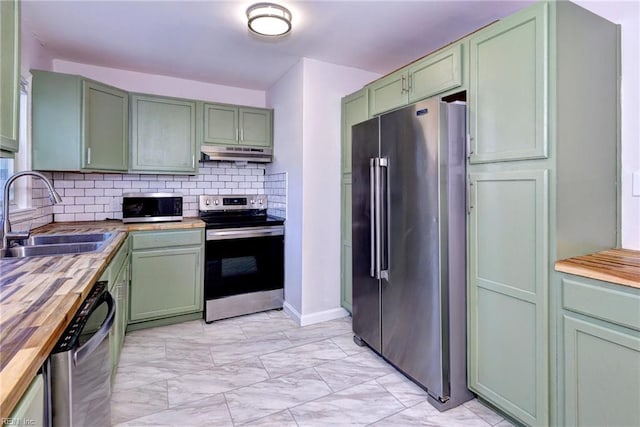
[(7, 234)]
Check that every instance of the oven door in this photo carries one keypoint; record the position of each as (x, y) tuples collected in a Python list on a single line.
[(243, 260)]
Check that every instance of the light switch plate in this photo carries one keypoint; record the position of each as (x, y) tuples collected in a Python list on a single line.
[(635, 187)]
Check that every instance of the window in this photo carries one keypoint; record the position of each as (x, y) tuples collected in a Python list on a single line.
[(20, 194)]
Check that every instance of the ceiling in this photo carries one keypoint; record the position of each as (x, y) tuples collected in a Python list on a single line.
[(209, 41)]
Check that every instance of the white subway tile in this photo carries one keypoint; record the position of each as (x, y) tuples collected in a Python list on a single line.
[(64, 217), (94, 192), (73, 176), (85, 200), (231, 171), (94, 208), (237, 178), (104, 184), (73, 209), (63, 183), (113, 192), (101, 216), (231, 185), (85, 217), (188, 185), (122, 184), (74, 192), (224, 191), (84, 184)]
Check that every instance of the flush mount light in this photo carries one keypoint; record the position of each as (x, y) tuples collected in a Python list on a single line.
[(269, 19)]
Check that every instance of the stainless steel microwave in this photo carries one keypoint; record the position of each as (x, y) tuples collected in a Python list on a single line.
[(151, 207)]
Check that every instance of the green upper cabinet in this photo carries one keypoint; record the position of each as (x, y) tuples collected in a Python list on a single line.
[(355, 109), (78, 124), (163, 135), (229, 125), (429, 76), (9, 76), (436, 73), (508, 88), (508, 273)]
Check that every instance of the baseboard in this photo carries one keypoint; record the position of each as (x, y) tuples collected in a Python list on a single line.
[(322, 316), (291, 312)]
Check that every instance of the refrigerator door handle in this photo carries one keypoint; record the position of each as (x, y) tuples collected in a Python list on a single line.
[(372, 214), (383, 213)]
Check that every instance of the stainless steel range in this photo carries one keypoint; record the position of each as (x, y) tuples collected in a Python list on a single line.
[(244, 268)]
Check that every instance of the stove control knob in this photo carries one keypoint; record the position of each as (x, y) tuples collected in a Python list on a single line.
[(207, 202), (260, 201), (253, 202), (217, 202)]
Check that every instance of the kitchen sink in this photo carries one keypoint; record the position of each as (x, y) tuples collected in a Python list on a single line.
[(51, 249), (56, 239), (58, 244)]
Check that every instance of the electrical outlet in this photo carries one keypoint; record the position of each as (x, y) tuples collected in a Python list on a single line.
[(115, 205), (635, 185)]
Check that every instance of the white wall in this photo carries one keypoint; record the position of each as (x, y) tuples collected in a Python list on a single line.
[(155, 84), (307, 145), (285, 97), (627, 13), (33, 53)]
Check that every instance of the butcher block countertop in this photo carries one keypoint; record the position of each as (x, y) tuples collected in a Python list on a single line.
[(620, 266), (40, 295)]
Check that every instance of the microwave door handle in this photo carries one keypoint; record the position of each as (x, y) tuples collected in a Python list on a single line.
[(90, 346)]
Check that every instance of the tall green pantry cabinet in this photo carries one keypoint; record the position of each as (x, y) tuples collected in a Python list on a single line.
[(354, 110), (543, 118), (9, 76)]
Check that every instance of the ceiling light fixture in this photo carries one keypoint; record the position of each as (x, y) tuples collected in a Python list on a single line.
[(269, 19)]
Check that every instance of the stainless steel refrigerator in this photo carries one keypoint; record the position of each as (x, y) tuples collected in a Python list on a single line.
[(408, 231)]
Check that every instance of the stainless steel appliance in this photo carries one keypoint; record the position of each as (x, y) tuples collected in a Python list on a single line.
[(151, 207), (235, 153), (244, 256), (408, 236), (80, 364)]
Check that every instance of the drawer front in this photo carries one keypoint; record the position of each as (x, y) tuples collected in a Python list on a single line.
[(161, 239), (612, 303)]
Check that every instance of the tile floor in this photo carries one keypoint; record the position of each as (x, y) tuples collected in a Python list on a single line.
[(263, 369)]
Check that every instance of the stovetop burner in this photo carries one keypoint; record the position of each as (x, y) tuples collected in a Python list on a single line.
[(236, 211)]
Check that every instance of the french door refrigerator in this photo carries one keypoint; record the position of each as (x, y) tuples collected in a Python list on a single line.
[(408, 232)]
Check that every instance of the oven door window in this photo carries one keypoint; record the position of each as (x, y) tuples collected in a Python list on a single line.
[(242, 266)]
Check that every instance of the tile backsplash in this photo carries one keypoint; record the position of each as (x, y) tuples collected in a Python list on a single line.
[(95, 196), (275, 187), (41, 212)]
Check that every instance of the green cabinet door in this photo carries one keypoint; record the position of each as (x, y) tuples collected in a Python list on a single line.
[(508, 282), (256, 127), (163, 135), (355, 109), (230, 125), (435, 74), (166, 274), (220, 124), (346, 264), (601, 373), (508, 88), (106, 127), (120, 292), (388, 93), (9, 76), (78, 124), (30, 409)]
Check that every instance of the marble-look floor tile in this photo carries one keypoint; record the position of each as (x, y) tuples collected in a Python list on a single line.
[(192, 387), (137, 402), (137, 350), (353, 370), (179, 349), (358, 405), (301, 357), (257, 329), (319, 331), (405, 390), (191, 328), (133, 376), (211, 411), (346, 344), (272, 396), (281, 419), (252, 347), (483, 412), (423, 414)]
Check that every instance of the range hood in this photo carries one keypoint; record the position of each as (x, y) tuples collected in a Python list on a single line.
[(235, 154)]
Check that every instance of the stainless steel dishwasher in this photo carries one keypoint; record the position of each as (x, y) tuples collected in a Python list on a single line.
[(80, 364)]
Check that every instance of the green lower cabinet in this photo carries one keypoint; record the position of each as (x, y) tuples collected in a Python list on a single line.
[(120, 293), (346, 268), (30, 410), (166, 279), (599, 330), (508, 282)]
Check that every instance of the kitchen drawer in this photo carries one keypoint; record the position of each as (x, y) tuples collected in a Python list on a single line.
[(162, 239), (612, 303)]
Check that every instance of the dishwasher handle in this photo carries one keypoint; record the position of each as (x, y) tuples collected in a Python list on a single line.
[(86, 349)]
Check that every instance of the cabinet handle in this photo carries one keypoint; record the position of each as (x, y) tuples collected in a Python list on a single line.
[(88, 155), (410, 82), (469, 195), (193, 161), (241, 134), (237, 134), (404, 82), (469, 145)]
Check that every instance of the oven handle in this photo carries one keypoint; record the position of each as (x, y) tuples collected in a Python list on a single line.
[(244, 233)]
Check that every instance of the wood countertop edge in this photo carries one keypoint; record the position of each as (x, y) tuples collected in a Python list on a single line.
[(31, 359), (617, 266)]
